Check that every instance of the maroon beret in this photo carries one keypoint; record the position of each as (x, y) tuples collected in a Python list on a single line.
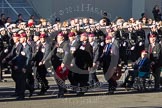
[(43, 35), (71, 34), (16, 35), (152, 36), (91, 35), (23, 34), (144, 51), (60, 34), (108, 37), (84, 34)]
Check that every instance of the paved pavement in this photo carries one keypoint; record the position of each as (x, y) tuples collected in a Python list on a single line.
[(95, 98)]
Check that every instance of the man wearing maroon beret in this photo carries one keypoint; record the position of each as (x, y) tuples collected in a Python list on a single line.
[(43, 49), (83, 61), (11, 57), (96, 48), (74, 45), (154, 54), (35, 44), (1, 51), (26, 54), (60, 59), (141, 65), (110, 50)]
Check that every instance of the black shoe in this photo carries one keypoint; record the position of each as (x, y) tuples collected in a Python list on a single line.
[(14, 95), (31, 92), (46, 88), (127, 88), (157, 89), (41, 93), (65, 91), (110, 92), (123, 85), (20, 98), (60, 96), (72, 91), (43, 90), (80, 94)]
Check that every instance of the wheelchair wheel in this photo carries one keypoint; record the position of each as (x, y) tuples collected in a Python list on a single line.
[(150, 82), (137, 84), (144, 84)]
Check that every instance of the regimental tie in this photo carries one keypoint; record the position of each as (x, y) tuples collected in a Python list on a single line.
[(108, 47), (141, 62), (151, 47)]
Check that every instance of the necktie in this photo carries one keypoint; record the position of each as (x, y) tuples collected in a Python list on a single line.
[(108, 48), (151, 47), (130, 36), (141, 62)]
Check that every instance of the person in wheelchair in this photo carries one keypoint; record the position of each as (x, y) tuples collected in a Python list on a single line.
[(142, 64)]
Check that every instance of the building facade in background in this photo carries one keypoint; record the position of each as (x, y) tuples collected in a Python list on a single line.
[(67, 9)]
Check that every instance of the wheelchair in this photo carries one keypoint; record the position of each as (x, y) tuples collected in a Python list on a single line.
[(145, 81)]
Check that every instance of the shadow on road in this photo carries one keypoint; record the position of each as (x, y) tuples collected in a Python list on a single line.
[(51, 94)]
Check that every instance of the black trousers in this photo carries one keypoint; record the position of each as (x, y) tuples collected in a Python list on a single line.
[(71, 77), (36, 83), (157, 70), (56, 63), (111, 82), (41, 77), (29, 79), (93, 78), (133, 75), (20, 79), (1, 72), (14, 77)]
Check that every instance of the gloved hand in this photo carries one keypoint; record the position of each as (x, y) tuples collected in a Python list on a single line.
[(10, 62), (140, 44), (23, 70), (3, 61)]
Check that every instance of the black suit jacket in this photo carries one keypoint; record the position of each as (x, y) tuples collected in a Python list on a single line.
[(16, 49), (73, 47), (84, 56), (47, 47), (96, 49), (63, 51), (41, 52), (143, 67), (23, 58), (155, 54), (1, 45)]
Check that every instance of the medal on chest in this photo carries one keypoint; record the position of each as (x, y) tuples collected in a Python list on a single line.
[(60, 50), (72, 49), (82, 47), (43, 50)]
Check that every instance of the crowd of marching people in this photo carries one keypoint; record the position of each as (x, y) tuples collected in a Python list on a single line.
[(76, 49)]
